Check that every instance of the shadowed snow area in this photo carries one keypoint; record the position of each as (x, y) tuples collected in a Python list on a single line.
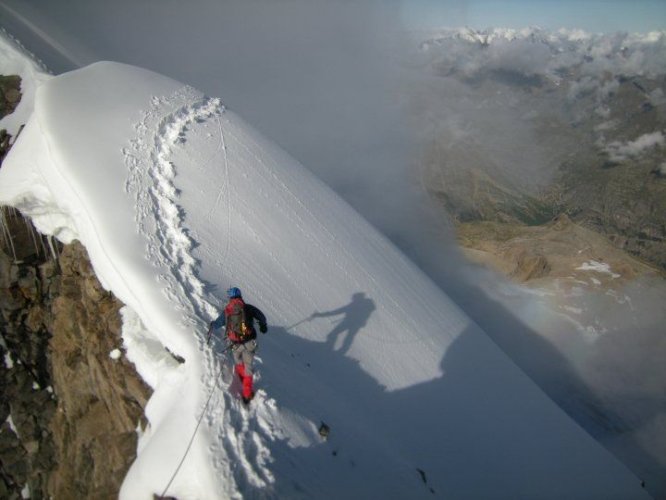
[(176, 198)]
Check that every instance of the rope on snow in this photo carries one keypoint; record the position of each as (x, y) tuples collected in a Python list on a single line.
[(189, 445)]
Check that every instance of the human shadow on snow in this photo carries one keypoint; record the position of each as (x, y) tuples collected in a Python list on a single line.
[(355, 316), (460, 434)]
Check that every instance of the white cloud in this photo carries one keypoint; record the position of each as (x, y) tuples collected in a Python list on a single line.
[(585, 85), (607, 125), (523, 57), (620, 151), (534, 52), (603, 112)]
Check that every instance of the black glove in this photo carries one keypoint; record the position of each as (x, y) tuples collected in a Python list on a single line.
[(263, 328)]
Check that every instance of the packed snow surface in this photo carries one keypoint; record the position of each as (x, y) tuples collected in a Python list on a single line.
[(176, 199)]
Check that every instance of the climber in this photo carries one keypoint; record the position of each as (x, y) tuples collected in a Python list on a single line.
[(238, 318)]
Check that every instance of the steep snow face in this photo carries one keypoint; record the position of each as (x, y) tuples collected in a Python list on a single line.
[(176, 198)]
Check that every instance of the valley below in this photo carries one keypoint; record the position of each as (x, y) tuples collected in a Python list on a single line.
[(547, 154)]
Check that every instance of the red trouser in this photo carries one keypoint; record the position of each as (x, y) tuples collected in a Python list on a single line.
[(246, 380), (243, 356)]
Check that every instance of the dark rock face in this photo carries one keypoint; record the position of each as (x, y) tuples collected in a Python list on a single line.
[(10, 96), (74, 410), (27, 452), (100, 400), (10, 93)]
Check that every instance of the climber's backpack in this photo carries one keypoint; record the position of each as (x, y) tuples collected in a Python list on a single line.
[(234, 315)]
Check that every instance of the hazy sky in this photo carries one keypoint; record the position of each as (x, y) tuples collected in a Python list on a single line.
[(590, 15)]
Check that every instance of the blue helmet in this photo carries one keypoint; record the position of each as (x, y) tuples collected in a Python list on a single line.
[(233, 292)]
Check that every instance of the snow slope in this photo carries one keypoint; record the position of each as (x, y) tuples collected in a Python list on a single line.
[(176, 198)]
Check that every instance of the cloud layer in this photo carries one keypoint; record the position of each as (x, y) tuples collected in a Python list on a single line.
[(619, 152)]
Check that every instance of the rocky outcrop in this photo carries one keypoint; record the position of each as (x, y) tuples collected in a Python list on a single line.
[(70, 410), (10, 96), (100, 399), (10, 93), (560, 249), (27, 275)]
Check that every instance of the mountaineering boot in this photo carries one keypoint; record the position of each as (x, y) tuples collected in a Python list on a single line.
[(246, 400), (248, 391)]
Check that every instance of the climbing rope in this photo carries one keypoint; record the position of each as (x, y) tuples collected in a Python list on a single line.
[(189, 445)]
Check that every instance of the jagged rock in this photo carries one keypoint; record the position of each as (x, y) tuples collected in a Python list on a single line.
[(5, 271), (59, 325), (324, 430), (101, 405), (10, 93), (10, 96), (35, 318), (28, 284), (14, 470)]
